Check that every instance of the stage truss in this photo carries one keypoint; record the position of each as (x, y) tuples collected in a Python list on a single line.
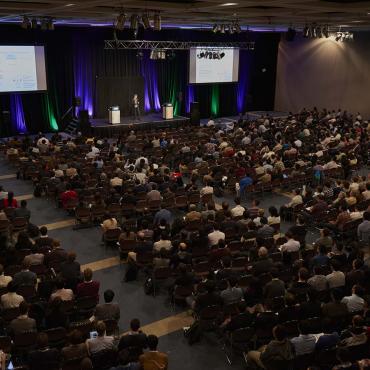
[(173, 45)]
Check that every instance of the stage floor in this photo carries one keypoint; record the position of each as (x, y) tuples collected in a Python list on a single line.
[(102, 127), (145, 119)]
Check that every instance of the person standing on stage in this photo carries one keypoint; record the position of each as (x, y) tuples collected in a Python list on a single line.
[(136, 105)]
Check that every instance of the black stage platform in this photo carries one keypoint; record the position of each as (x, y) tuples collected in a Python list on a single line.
[(101, 127)]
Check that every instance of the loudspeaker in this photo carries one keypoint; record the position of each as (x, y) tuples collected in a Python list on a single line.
[(194, 113), (85, 125), (76, 102)]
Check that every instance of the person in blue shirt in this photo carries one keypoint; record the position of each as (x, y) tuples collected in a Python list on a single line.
[(322, 258), (244, 182)]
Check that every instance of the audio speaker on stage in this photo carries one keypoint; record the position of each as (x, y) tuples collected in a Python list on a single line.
[(194, 113), (84, 121), (76, 101)]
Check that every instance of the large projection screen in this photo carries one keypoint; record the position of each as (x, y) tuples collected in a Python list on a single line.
[(213, 65), (22, 69)]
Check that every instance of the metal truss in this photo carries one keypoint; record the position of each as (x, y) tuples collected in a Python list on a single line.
[(173, 45)]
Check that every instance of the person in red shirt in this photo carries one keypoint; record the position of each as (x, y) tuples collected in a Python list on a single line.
[(89, 287), (10, 202), (68, 195)]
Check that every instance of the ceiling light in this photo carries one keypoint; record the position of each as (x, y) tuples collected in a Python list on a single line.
[(229, 4), (146, 21), (119, 24), (34, 23), (68, 5), (157, 22), (134, 22), (25, 23)]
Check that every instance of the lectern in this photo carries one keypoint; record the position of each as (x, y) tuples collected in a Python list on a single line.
[(114, 115), (167, 111)]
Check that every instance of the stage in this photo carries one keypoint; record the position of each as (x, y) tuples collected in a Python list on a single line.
[(102, 127)]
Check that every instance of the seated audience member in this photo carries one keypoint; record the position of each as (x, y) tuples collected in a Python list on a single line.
[(89, 287), (232, 294), (287, 209), (10, 201), (318, 281), (4, 279), (325, 240), (243, 318), (164, 242), (278, 350), (210, 298), (153, 356), (70, 270), (238, 210), (275, 287), (161, 259), (305, 343), (274, 217), (329, 338), (265, 231), (363, 230), (263, 264), (291, 245), (61, 292), (215, 236), (321, 259), (11, 299), (24, 242), (23, 211), (55, 316), (25, 277), (300, 288), (68, 195), (102, 342), (22, 323), (110, 223), (193, 215), (43, 240), (135, 341), (356, 334), (355, 302), (44, 357), (107, 310), (336, 279), (77, 347)]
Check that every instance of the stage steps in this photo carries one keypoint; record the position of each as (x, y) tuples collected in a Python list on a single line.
[(71, 128)]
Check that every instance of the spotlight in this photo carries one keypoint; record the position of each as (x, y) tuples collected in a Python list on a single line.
[(318, 32), (222, 30), (44, 24), (325, 31), (157, 22), (25, 23), (139, 55), (306, 31), (146, 21), (34, 23), (119, 24), (313, 31), (134, 22), (215, 28), (51, 26)]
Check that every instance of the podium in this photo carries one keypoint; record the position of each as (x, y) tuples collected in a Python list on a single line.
[(167, 111), (114, 115)]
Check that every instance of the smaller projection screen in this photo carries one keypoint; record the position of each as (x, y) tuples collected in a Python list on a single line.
[(213, 65), (22, 69)]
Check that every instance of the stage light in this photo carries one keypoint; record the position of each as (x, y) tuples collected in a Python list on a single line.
[(222, 28), (119, 24), (237, 27), (338, 37), (325, 31), (157, 22), (313, 31), (44, 24), (134, 22), (34, 23), (140, 55), (146, 21), (318, 32), (171, 55), (215, 28), (305, 31), (25, 22)]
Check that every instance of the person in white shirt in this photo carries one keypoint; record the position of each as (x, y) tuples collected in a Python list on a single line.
[(366, 193), (61, 292), (11, 299), (238, 210), (215, 236), (291, 245), (206, 190), (355, 302), (4, 279)]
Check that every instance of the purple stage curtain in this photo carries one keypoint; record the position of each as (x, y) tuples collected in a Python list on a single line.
[(84, 74), (190, 97), (242, 88), (17, 114), (149, 73)]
